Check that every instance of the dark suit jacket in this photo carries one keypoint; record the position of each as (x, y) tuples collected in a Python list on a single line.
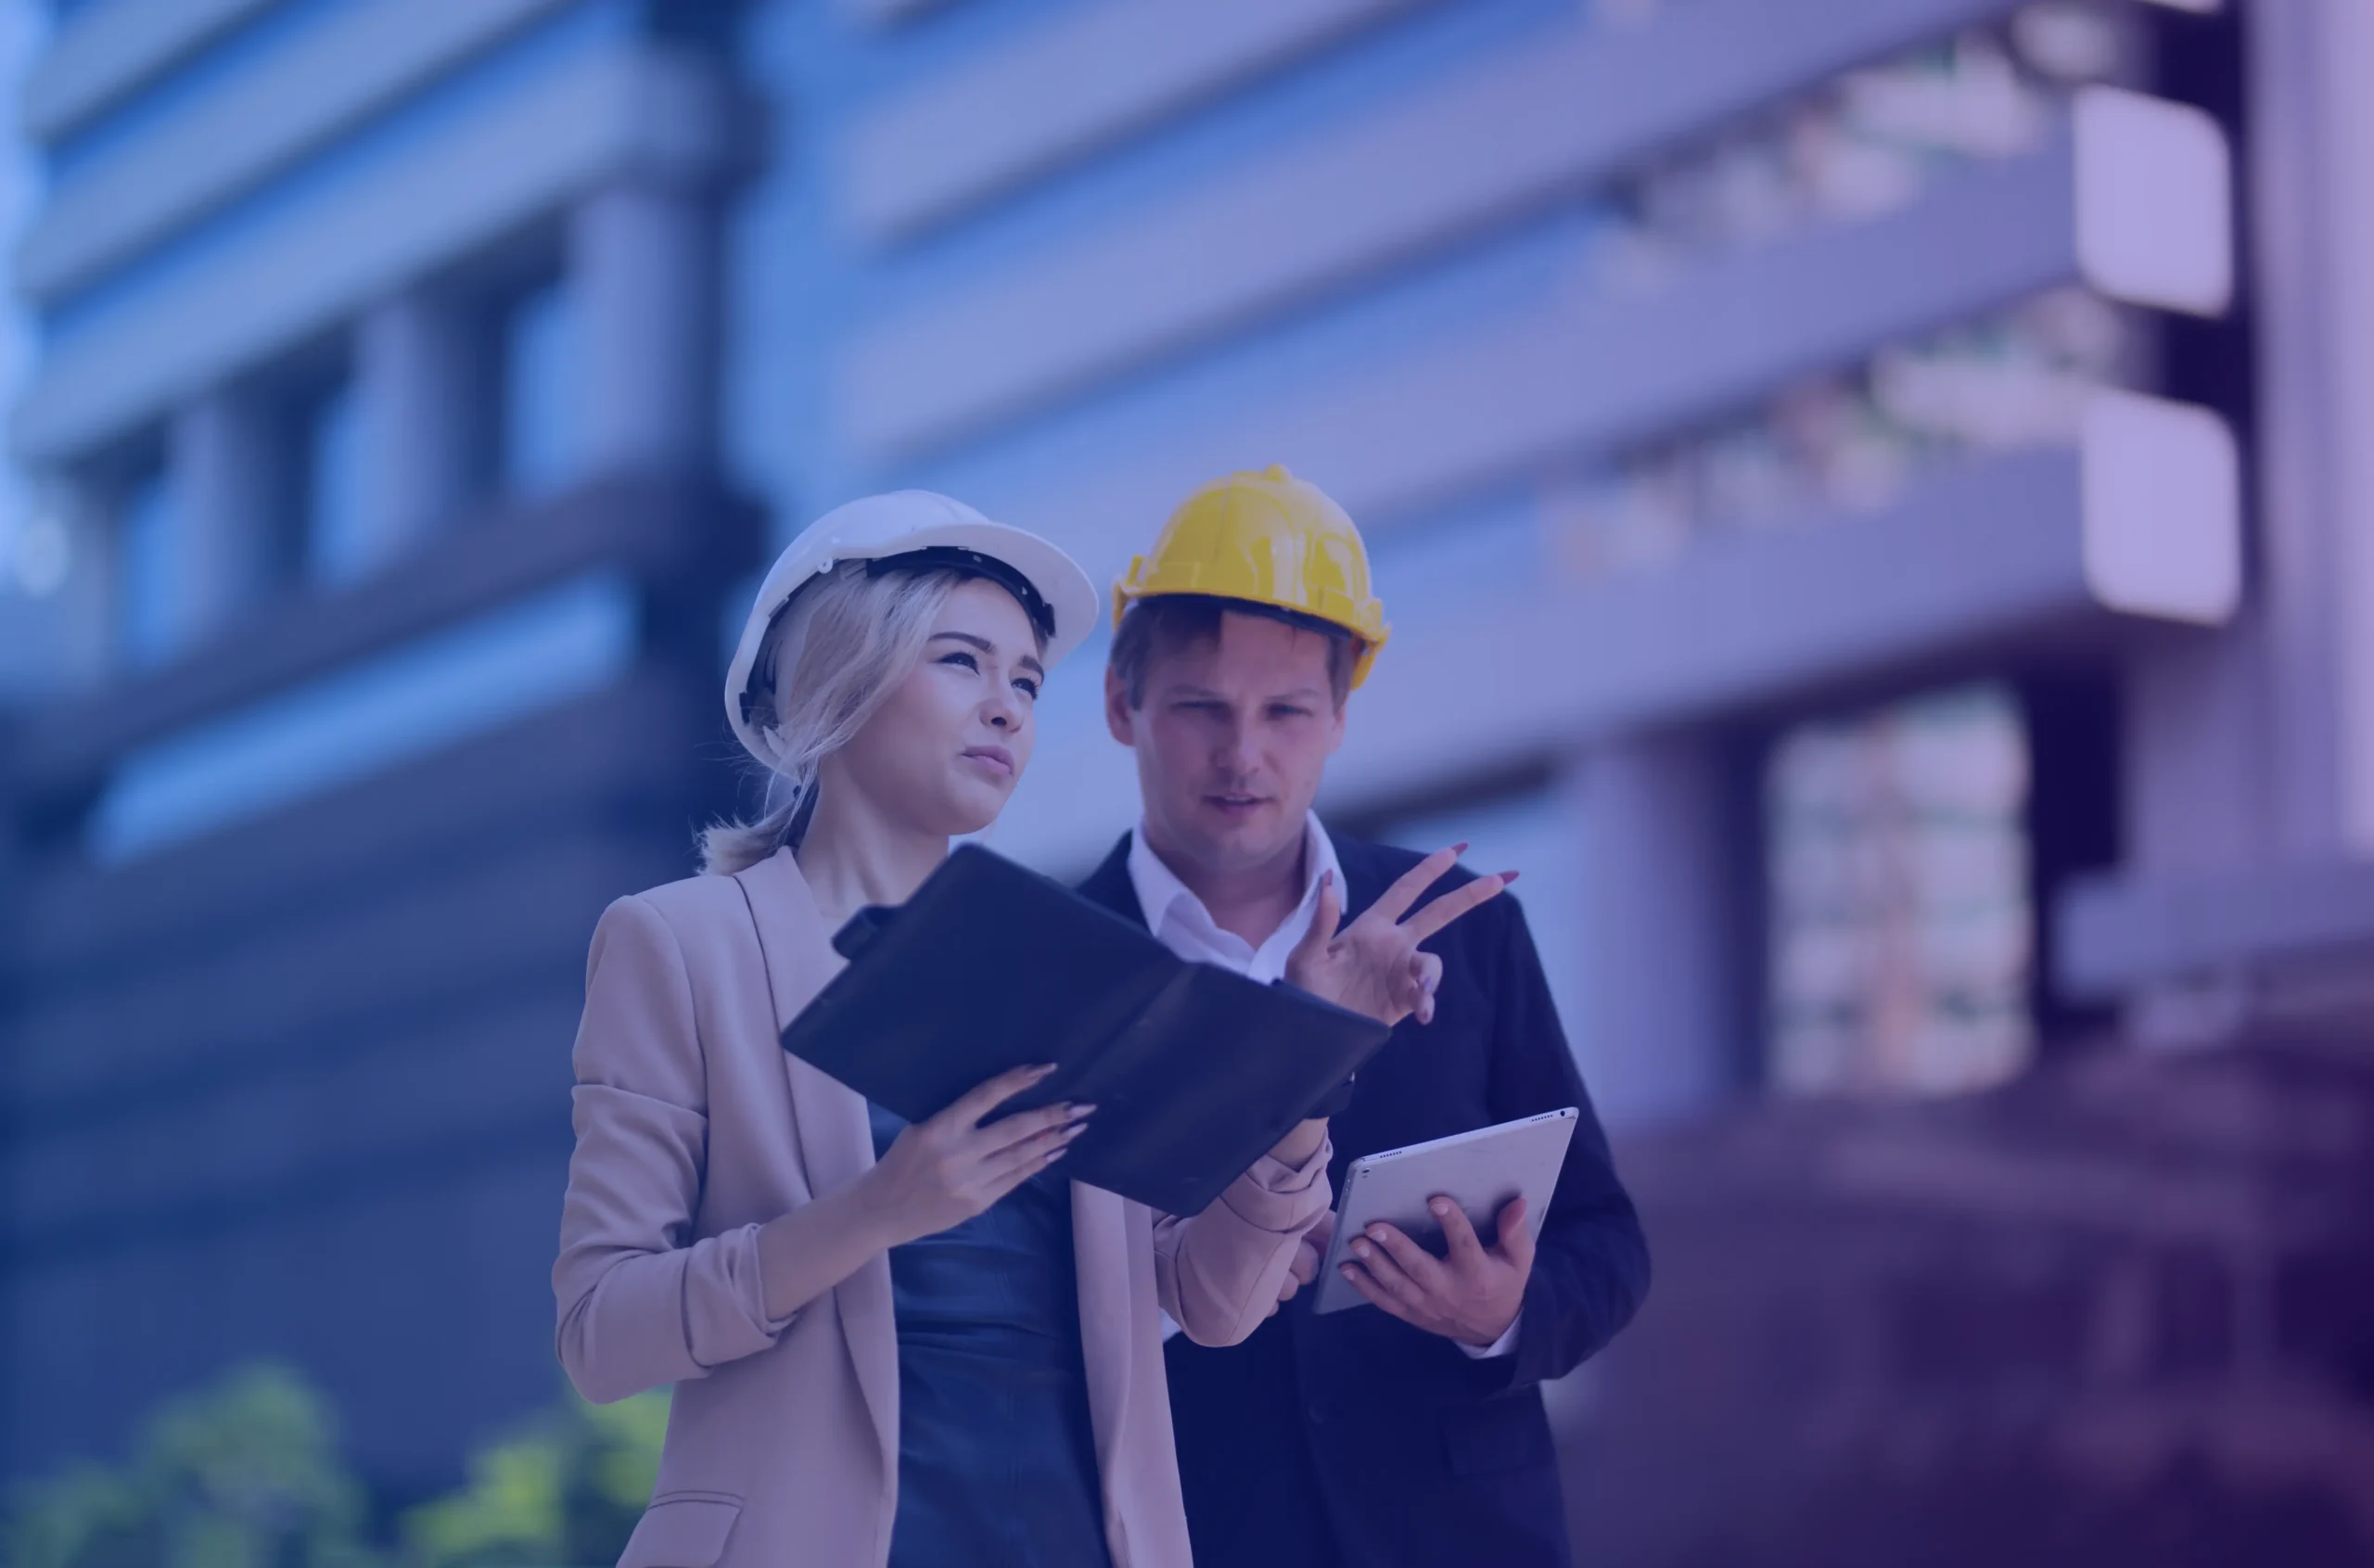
[(1354, 1439)]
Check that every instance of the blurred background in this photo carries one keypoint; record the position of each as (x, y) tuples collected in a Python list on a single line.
[(1876, 502)]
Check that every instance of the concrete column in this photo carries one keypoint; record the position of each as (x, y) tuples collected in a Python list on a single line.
[(2345, 195), (2249, 797), (421, 403), (225, 475), (2287, 775), (643, 276), (2199, 769), (1671, 1016)]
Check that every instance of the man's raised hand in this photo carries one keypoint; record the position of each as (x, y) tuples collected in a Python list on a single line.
[(1373, 965)]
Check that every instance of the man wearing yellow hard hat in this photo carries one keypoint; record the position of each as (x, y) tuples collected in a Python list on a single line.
[(1413, 1434)]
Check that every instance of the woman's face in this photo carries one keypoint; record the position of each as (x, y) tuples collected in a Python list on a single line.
[(945, 750)]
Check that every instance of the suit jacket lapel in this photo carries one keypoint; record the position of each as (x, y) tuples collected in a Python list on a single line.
[(1109, 885), (836, 1140), (1364, 880)]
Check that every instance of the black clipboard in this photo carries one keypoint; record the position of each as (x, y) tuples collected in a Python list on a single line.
[(1195, 1071)]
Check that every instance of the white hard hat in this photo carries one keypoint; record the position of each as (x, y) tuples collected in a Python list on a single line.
[(905, 522)]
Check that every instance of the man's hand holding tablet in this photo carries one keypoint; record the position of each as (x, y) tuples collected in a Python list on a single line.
[(1398, 1205), (1471, 1293)]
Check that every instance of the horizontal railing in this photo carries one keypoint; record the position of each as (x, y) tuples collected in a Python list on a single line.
[(104, 53), (192, 163), (1526, 130), (616, 113), (658, 529), (1585, 376), (1059, 93)]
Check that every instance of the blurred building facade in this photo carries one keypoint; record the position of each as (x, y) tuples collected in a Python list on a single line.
[(1861, 488), (1796, 442), (376, 573)]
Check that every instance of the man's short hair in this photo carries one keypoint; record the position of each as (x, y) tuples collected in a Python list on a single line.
[(1170, 621)]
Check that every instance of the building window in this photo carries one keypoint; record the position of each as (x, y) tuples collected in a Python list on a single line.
[(1901, 920), (541, 410), (153, 565)]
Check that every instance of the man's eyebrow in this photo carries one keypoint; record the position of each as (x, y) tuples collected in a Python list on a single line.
[(1297, 694)]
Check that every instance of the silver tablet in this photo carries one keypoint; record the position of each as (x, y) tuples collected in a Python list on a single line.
[(1480, 1171)]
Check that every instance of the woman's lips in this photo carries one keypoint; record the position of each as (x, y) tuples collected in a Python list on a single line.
[(994, 758), (1236, 805)]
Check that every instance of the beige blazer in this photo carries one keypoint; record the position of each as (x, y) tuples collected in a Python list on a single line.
[(693, 1128)]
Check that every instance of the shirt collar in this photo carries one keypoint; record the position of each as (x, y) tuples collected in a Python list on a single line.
[(1160, 891)]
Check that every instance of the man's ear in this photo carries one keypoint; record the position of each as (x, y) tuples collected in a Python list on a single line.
[(1118, 720)]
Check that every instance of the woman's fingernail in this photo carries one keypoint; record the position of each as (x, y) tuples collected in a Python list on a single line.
[(1507, 877), (1460, 848), (1439, 1207), (1347, 1272), (1081, 1113), (1359, 1249)]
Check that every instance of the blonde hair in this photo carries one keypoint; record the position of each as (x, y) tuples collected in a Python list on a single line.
[(831, 657)]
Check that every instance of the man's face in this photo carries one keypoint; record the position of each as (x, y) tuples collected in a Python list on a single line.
[(1232, 736)]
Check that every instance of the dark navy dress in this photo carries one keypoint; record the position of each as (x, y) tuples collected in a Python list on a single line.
[(997, 1457)]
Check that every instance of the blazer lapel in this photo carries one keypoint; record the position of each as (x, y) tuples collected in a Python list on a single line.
[(1364, 881), (1109, 885), (836, 1140), (1107, 1314)]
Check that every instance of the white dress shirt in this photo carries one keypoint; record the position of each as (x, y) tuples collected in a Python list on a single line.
[(1182, 922)]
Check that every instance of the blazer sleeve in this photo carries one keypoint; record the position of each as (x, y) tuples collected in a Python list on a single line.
[(1218, 1273), (1590, 1267), (641, 1303)]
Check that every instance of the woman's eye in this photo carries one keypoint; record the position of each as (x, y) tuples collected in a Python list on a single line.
[(1028, 689), (964, 661)]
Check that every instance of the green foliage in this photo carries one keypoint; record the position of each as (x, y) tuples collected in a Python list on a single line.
[(566, 1487), (245, 1474)]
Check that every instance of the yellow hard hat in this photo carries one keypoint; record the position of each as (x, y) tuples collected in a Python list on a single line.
[(1266, 538)]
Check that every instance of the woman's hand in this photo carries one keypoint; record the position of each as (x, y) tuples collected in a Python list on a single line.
[(1374, 964), (942, 1172)]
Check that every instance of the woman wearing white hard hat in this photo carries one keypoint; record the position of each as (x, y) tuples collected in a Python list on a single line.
[(889, 1344)]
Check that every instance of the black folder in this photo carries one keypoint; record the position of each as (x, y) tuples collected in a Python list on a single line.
[(1195, 1071)]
